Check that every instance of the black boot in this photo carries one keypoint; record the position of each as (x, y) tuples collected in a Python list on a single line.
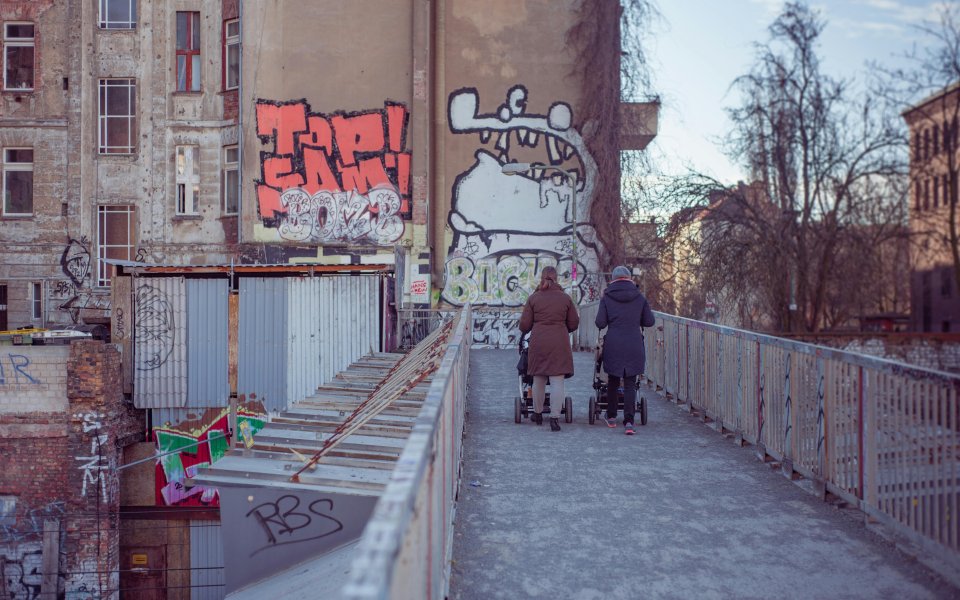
[(554, 424), (538, 418)]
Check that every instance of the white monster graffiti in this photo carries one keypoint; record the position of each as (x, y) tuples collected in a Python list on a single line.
[(521, 220)]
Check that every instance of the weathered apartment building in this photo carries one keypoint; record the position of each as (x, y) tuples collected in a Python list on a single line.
[(217, 131), (935, 298), (176, 141)]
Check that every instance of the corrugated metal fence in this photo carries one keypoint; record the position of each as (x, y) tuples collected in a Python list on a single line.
[(294, 333), (883, 435)]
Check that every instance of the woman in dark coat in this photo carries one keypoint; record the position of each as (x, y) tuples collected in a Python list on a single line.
[(550, 315), (625, 311)]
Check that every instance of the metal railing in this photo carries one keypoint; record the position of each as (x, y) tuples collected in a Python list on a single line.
[(880, 434), (414, 324), (406, 547)]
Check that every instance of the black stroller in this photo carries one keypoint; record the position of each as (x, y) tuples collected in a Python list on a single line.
[(523, 404), (598, 403)]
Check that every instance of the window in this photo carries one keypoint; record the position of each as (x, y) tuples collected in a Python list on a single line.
[(18, 56), (936, 140), (118, 14), (918, 193), (231, 180), (936, 191), (116, 237), (188, 179), (118, 116), (37, 297), (188, 52), (946, 279), (17, 182), (231, 55), (926, 195)]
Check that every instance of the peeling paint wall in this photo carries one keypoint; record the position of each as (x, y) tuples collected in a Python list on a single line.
[(59, 121)]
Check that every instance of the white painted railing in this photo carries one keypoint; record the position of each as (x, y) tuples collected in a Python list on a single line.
[(880, 434), (406, 547)]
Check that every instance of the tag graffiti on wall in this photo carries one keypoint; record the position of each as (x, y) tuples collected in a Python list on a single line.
[(506, 279), (339, 177), (214, 440)]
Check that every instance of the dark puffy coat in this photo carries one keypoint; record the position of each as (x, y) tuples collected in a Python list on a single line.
[(551, 315), (624, 310)]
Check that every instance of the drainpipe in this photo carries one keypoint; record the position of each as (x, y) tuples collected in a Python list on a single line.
[(240, 133)]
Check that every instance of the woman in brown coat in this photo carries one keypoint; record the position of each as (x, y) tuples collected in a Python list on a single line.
[(550, 315)]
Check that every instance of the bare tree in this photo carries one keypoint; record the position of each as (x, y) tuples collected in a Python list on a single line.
[(828, 166)]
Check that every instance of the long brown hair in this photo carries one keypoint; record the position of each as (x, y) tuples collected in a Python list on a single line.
[(546, 276)]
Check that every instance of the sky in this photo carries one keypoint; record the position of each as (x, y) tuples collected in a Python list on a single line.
[(699, 47)]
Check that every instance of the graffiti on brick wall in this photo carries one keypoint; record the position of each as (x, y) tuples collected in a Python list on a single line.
[(155, 336), (22, 567), (94, 465), (29, 525), (506, 228), (74, 294), (339, 177), (200, 443), (15, 370)]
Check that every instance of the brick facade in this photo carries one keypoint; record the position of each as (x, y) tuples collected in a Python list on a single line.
[(59, 465)]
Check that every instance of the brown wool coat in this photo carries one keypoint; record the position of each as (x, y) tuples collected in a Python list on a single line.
[(551, 315)]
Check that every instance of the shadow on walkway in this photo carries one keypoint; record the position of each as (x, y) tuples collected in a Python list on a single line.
[(676, 511)]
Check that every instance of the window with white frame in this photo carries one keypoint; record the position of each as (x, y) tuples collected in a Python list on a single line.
[(17, 182), (188, 179), (116, 238), (117, 132), (188, 52), (18, 56), (36, 296), (231, 180), (118, 14), (231, 55)]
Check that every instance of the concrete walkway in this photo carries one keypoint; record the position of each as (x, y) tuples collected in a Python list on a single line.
[(676, 511)]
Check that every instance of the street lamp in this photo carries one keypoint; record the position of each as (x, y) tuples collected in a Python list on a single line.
[(517, 168)]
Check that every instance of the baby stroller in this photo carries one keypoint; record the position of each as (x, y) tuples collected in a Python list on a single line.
[(598, 403), (523, 404)]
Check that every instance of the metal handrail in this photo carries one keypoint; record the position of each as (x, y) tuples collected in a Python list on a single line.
[(884, 435)]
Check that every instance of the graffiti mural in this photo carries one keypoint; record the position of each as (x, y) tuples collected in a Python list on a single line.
[(496, 328), (507, 228), (212, 433), (340, 177), (22, 569)]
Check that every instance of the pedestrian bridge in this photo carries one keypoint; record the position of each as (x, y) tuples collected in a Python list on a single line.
[(768, 468)]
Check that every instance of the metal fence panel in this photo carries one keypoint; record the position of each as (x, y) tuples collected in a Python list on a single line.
[(303, 351), (883, 435), (263, 341), (160, 378), (349, 318), (206, 561), (207, 345)]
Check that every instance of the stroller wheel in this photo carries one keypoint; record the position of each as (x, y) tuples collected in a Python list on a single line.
[(517, 414), (568, 409), (643, 410), (592, 408)]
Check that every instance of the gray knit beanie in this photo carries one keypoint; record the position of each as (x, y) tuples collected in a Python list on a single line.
[(620, 271)]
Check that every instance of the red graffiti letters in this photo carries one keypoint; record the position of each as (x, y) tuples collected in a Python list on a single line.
[(343, 177)]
